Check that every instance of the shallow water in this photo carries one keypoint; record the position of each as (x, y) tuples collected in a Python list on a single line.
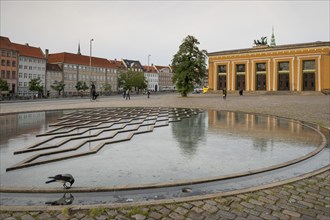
[(209, 144)]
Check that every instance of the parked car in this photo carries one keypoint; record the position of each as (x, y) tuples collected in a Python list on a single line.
[(198, 90), (205, 89)]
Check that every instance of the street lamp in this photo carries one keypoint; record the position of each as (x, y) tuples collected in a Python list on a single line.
[(90, 60), (148, 60), (148, 72)]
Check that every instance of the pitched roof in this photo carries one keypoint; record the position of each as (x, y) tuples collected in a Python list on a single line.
[(265, 49), (5, 43), (29, 51), (149, 69), (162, 67), (71, 58), (132, 63), (53, 67), (116, 64)]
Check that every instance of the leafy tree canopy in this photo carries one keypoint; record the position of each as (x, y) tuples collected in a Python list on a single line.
[(189, 65), (35, 85), (58, 86), (139, 81), (132, 79), (107, 87), (81, 86), (3, 85)]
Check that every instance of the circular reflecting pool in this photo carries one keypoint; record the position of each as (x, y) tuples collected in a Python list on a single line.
[(126, 146)]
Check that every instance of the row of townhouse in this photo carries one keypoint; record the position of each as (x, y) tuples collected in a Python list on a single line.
[(21, 62)]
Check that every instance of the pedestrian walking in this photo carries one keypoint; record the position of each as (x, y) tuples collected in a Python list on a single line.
[(224, 93), (93, 93), (148, 93), (128, 95), (124, 94), (241, 92)]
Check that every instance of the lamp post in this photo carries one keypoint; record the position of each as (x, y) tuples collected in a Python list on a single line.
[(148, 71), (90, 60), (148, 60)]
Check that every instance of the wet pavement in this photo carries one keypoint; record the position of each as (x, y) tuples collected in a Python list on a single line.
[(308, 198)]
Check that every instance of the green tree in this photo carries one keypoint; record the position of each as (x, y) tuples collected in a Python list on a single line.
[(84, 87), (139, 81), (35, 85), (58, 86), (107, 87), (189, 65), (3, 85), (125, 79), (81, 86), (132, 79)]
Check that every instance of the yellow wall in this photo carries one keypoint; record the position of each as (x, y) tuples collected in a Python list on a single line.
[(295, 57)]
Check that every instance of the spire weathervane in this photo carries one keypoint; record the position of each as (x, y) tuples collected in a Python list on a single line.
[(272, 40)]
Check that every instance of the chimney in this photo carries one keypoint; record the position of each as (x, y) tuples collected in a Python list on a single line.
[(46, 53), (26, 44)]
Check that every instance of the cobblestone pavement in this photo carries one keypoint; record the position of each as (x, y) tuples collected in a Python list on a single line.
[(308, 198)]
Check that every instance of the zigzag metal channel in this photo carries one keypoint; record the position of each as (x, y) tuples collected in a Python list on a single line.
[(77, 126)]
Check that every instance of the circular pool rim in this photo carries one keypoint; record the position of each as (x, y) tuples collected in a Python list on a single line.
[(7, 189)]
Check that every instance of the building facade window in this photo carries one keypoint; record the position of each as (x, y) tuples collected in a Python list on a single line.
[(240, 76), (309, 65), (308, 72), (261, 76), (283, 76), (261, 67), (222, 69), (240, 68), (283, 66)]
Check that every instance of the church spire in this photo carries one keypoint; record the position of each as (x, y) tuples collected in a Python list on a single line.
[(272, 40), (79, 49)]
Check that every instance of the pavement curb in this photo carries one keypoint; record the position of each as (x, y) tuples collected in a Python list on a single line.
[(166, 201)]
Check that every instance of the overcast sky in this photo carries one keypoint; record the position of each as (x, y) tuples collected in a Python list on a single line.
[(135, 29)]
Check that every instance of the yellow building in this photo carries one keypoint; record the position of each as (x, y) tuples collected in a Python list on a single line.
[(294, 67)]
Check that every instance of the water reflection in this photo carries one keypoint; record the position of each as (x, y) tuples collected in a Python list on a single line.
[(209, 143), (64, 200), (262, 129), (189, 139), (14, 125)]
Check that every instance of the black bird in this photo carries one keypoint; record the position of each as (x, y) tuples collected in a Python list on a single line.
[(62, 178), (65, 200)]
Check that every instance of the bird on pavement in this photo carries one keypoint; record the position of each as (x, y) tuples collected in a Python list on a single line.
[(62, 178), (64, 200)]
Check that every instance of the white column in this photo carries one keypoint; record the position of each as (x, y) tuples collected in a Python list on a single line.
[(268, 73), (319, 72), (298, 82), (292, 66)]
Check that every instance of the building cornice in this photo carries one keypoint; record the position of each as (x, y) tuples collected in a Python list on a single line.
[(270, 49)]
